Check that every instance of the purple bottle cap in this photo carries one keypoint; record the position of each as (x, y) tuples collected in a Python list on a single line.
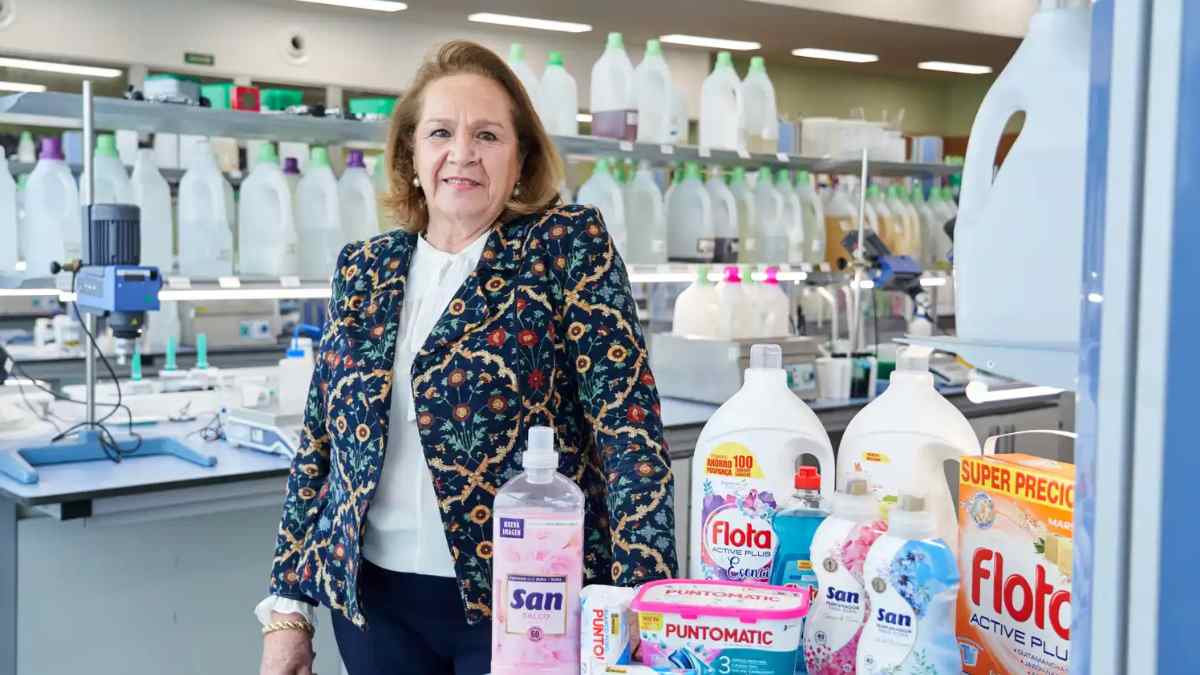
[(51, 148), (291, 166), (355, 160)]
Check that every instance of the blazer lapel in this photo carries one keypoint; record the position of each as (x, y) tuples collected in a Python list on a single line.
[(388, 278)]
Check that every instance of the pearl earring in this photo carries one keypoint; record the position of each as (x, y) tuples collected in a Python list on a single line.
[(517, 190), (416, 182)]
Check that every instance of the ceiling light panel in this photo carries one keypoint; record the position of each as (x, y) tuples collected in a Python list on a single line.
[(950, 67), (21, 86), (713, 43), (529, 22), (373, 5), (52, 67), (835, 55)]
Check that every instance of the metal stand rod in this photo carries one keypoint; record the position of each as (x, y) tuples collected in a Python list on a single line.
[(859, 263), (89, 195)]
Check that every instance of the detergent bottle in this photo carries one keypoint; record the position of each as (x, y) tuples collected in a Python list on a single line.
[(356, 199), (696, 309), (793, 218), (604, 192), (112, 183), (648, 218), (613, 100), (912, 580), (26, 148), (794, 527), (520, 67), (725, 213), (153, 197), (906, 232), (51, 230), (841, 218), (736, 312), (267, 239), (745, 462), (814, 219), (721, 106), (537, 566), (772, 220), (318, 217), (558, 98), (1031, 209), (690, 229), (908, 434), (652, 84), (206, 217), (839, 551), (930, 242), (747, 217), (775, 306), (761, 124)]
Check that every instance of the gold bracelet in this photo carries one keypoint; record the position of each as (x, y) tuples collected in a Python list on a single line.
[(289, 625)]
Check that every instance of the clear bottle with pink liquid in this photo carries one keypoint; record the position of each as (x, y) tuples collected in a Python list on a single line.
[(537, 566)]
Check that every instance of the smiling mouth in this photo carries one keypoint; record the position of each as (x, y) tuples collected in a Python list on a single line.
[(461, 182)]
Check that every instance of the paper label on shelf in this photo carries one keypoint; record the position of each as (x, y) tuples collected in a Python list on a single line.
[(704, 153), (782, 156), (666, 149), (826, 267), (625, 146), (229, 282), (289, 282), (180, 283), (743, 153)]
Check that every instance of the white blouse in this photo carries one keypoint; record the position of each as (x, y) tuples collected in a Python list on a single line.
[(404, 531)]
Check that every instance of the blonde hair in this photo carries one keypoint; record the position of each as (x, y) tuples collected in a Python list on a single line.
[(541, 165)]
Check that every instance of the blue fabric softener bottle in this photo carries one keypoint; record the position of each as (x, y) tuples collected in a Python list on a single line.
[(794, 527)]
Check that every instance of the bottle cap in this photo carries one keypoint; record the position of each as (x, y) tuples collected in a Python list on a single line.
[(772, 276), (910, 518), (702, 276), (914, 359), (803, 177), (601, 167), (733, 275), (765, 176), (738, 176), (106, 145), (918, 195), (539, 452), (555, 59), (856, 503), (692, 170), (516, 53), (51, 148), (893, 192), (873, 192), (294, 351), (319, 157), (355, 160), (783, 177), (291, 166), (807, 478), (724, 60), (653, 48), (766, 357), (757, 64), (616, 41), (266, 154)]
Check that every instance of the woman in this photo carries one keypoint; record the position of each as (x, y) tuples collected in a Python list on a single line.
[(492, 310)]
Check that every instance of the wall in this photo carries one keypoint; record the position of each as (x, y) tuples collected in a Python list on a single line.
[(993, 17)]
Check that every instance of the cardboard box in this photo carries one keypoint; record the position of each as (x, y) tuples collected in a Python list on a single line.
[(1015, 555)]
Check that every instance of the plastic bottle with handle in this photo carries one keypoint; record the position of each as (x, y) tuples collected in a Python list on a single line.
[(722, 109), (519, 66), (206, 217), (603, 192), (613, 101), (743, 195), (153, 197), (690, 229), (356, 199), (52, 227), (112, 184), (725, 217), (696, 311), (267, 238), (320, 219), (761, 124), (558, 98), (772, 221), (647, 215), (652, 87), (814, 219), (793, 218)]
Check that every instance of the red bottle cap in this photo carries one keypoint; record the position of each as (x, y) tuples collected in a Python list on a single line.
[(808, 478)]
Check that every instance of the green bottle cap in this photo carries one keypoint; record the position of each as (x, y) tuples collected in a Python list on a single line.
[(803, 177), (135, 364), (893, 192), (170, 360), (516, 53), (738, 176), (702, 276), (783, 177), (918, 195), (653, 48), (319, 157), (555, 59), (615, 41), (765, 175), (676, 174), (266, 154), (693, 171), (23, 181), (873, 192), (724, 60), (106, 145), (202, 351), (757, 64), (26, 135), (601, 167)]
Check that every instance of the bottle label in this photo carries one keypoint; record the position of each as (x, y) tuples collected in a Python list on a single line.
[(537, 605), (839, 609)]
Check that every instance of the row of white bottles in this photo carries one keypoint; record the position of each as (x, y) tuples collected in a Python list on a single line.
[(733, 308), (738, 114)]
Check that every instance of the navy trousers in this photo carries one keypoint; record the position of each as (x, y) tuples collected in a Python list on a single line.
[(415, 624)]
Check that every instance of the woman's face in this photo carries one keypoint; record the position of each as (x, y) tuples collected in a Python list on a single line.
[(466, 150)]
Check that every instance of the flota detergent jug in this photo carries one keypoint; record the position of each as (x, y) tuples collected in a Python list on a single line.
[(745, 460)]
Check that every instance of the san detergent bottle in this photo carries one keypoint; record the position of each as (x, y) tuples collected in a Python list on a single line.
[(912, 582), (794, 527), (906, 435), (745, 460), (537, 567), (839, 550)]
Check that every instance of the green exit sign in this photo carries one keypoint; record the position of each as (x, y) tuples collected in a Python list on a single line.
[(198, 59)]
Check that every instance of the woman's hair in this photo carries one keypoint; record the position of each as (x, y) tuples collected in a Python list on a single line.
[(541, 166)]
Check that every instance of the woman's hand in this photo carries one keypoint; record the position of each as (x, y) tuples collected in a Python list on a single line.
[(287, 652)]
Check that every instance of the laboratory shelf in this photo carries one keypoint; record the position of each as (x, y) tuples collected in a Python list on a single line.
[(181, 288), (172, 176), (1048, 364), (60, 109)]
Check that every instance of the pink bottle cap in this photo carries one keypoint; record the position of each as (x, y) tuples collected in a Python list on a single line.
[(733, 275), (772, 276)]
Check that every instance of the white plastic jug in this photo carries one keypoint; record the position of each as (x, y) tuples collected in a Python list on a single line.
[(153, 196), (613, 101), (603, 192), (772, 222), (737, 318), (356, 198), (52, 227), (743, 195), (690, 230), (267, 239), (520, 67), (722, 109), (319, 221), (814, 219), (206, 218), (725, 217), (679, 117), (1032, 211), (841, 218), (558, 99), (112, 183), (647, 215), (8, 219), (761, 125), (776, 308), (903, 438), (930, 226), (652, 81), (743, 469), (696, 309), (793, 219)]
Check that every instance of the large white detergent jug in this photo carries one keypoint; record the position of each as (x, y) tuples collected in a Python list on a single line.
[(356, 199), (613, 102), (743, 196), (603, 192), (690, 230), (793, 220), (206, 217), (814, 219), (647, 216), (1031, 213), (520, 67), (52, 227), (652, 84), (772, 222), (903, 439), (774, 305), (761, 124), (153, 197), (721, 106), (319, 221), (743, 469), (267, 239), (8, 219), (725, 217), (112, 183), (737, 314), (696, 310), (558, 98)]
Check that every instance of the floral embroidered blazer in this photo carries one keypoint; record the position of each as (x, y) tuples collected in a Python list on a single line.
[(543, 332)]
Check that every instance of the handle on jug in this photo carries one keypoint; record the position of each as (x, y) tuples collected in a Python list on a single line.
[(982, 145)]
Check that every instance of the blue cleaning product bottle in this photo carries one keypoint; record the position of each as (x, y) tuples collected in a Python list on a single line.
[(912, 584), (794, 527)]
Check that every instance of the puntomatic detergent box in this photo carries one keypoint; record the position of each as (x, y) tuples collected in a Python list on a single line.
[(1015, 553)]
